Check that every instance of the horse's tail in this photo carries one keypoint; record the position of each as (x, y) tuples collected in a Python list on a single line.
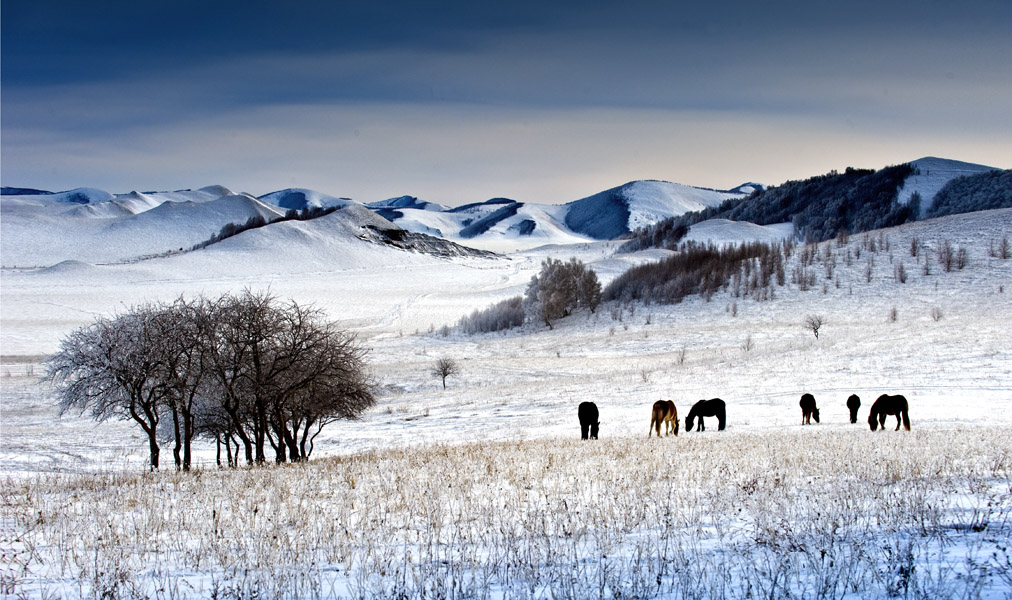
[(676, 422), (906, 419), (721, 419)]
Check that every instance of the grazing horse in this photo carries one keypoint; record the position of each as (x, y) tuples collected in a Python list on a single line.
[(853, 403), (588, 420), (707, 408), (663, 411), (889, 405), (808, 409)]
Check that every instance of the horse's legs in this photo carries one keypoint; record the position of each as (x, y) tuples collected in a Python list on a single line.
[(897, 422)]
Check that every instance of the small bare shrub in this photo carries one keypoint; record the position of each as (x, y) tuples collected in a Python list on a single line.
[(946, 255), (893, 314), (814, 323), (1000, 249), (900, 273), (936, 314)]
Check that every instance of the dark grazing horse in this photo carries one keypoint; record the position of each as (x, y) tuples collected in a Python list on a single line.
[(707, 408), (588, 420), (853, 403), (808, 409), (889, 405), (663, 411)]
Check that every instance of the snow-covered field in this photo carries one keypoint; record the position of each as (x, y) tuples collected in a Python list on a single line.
[(481, 491)]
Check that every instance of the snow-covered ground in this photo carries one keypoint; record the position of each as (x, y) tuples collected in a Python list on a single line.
[(940, 338), (755, 355)]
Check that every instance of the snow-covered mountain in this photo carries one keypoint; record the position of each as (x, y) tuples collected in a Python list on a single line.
[(40, 229), (301, 199), (96, 227), (930, 176), (502, 224)]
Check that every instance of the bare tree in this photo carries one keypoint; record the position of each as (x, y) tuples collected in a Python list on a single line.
[(114, 369), (445, 367), (814, 322), (243, 369), (280, 373)]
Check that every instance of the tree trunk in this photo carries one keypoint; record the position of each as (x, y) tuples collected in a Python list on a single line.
[(178, 439), (153, 447), (187, 439)]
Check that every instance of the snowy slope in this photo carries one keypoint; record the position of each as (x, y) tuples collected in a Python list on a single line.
[(504, 225), (614, 212), (41, 231), (300, 198), (933, 174)]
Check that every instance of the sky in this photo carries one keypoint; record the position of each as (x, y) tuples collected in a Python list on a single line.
[(461, 101)]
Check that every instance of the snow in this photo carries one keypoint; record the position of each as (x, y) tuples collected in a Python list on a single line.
[(722, 231), (521, 386), (934, 174), (301, 198), (651, 201)]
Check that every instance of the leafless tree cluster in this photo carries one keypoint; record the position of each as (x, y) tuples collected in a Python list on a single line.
[(505, 314), (245, 370), (704, 269), (560, 288)]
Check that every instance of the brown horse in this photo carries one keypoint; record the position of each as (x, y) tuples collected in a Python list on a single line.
[(663, 411), (889, 405), (808, 409)]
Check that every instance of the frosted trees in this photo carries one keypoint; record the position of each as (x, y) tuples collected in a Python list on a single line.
[(561, 288), (243, 366), (115, 368)]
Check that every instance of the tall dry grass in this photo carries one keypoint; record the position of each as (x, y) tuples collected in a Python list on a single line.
[(819, 513)]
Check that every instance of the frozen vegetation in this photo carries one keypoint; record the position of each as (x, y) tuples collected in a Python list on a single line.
[(484, 490)]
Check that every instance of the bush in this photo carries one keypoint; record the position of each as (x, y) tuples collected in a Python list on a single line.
[(560, 288)]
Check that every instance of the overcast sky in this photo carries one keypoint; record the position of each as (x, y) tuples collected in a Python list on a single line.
[(461, 101)]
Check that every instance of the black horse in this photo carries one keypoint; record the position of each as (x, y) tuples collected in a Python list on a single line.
[(889, 405), (588, 420), (853, 403), (707, 408), (808, 409)]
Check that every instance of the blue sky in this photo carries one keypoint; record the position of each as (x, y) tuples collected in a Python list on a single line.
[(462, 101)]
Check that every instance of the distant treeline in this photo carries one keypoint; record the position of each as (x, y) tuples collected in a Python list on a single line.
[(700, 269), (969, 193), (256, 221), (820, 208)]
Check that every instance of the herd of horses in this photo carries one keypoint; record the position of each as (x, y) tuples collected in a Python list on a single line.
[(665, 414)]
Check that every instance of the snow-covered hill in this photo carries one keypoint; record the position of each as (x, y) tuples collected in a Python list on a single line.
[(300, 199), (930, 176), (96, 227), (505, 225)]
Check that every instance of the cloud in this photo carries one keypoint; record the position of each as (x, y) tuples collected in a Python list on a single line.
[(460, 104), (464, 153)]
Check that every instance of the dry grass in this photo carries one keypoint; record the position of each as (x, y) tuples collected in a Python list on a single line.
[(805, 514)]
